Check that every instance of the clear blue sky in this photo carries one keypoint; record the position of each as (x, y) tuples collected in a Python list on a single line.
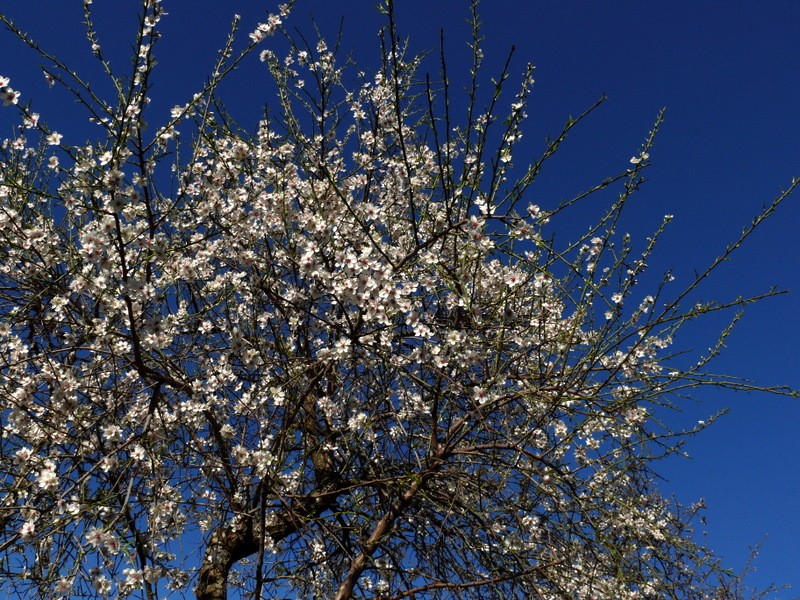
[(729, 75)]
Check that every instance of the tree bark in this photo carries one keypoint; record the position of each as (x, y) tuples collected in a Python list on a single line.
[(228, 545), (231, 543), (382, 528)]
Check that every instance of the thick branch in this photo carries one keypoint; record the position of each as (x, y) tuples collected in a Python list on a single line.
[(242, 538), (384, 526)]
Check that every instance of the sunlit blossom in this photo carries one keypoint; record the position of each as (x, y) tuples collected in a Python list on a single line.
[(9, 96), (27, 530)]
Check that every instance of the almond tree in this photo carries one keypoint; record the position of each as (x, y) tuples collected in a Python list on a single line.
[(335, 357)]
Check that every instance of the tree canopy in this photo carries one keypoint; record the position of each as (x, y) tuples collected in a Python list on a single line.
[(339, 356)]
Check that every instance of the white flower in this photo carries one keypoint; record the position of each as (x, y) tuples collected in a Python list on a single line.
[(54, 139), (112, 433), (22, 455), (265, 29), (480, 395), (63, 586), (95, 537), (113, 178), (9, 96), (101, 584), (133, 577), (48, 480), (27, 530), (278, 395), (357, 422), (112, 544), (31, 121), (638, 159)]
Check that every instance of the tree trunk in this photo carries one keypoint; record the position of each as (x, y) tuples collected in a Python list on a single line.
[(227, 546), (233, 542), (238, 540)]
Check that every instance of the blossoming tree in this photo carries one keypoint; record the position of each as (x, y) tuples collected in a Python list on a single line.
[(335, 357)]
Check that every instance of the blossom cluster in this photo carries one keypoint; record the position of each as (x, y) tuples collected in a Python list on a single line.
[(339, 347)]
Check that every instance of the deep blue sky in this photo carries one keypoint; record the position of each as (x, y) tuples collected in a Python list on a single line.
[(729, 75)]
